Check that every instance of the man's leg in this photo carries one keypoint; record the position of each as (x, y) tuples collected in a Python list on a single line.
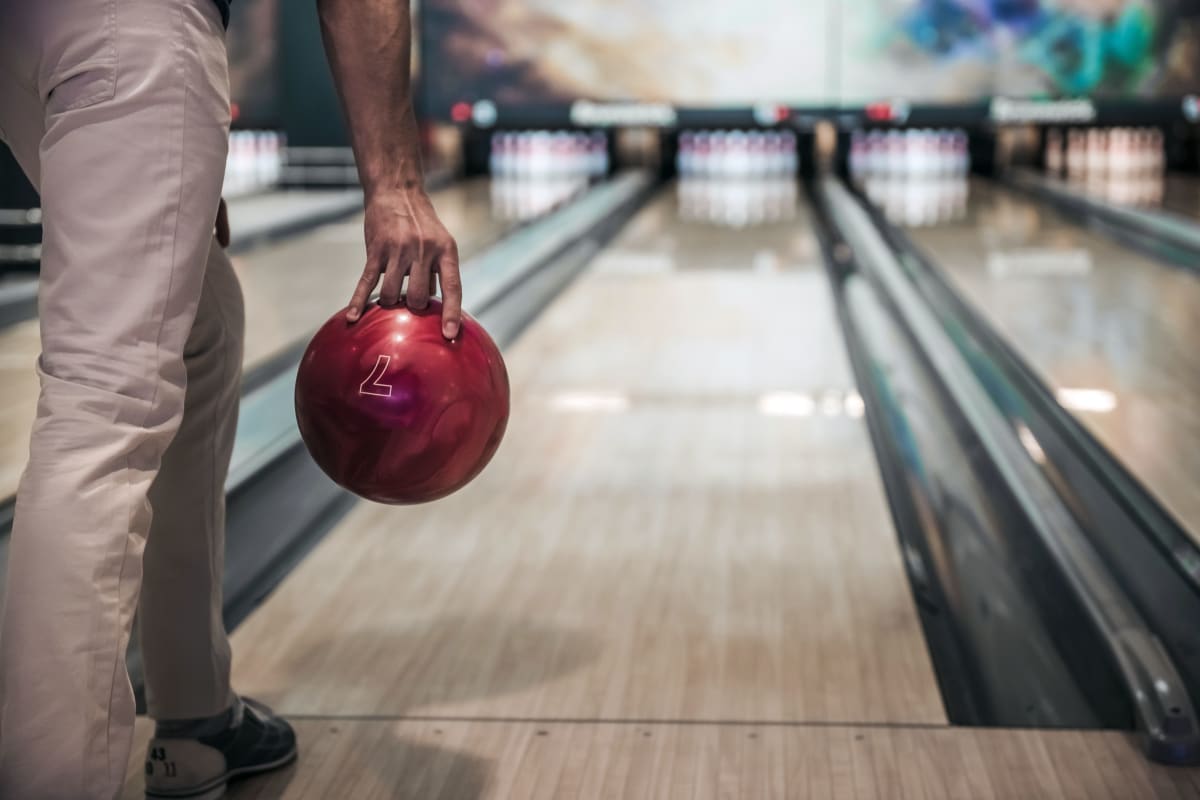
[(184, 647), (135, 118)]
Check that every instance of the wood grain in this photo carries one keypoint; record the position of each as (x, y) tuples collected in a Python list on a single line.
[(537, 760), (651, 542)]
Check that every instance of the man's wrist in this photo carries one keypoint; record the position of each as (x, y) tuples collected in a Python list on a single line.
[(395, 185), (396, 197)]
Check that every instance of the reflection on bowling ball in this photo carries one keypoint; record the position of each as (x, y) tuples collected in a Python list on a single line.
[(394, 412)]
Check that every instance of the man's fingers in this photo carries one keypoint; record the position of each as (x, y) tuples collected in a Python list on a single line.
[(451, 293), (362, 292), (420, 281), (398, 265)]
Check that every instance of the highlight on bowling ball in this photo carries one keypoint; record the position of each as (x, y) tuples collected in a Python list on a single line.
[(396, 413)]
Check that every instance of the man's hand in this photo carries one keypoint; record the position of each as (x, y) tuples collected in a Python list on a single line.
[(369, 48), (405, 237)]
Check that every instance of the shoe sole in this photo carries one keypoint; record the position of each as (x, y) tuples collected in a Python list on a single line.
[(214, 789)]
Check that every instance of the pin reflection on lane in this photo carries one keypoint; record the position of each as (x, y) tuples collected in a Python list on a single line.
[(919, 201), (523, 199), (735, 202)]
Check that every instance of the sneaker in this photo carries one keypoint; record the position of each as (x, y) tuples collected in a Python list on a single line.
[(199, 767)]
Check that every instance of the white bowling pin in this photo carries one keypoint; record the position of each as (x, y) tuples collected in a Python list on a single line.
[(1054, 152)]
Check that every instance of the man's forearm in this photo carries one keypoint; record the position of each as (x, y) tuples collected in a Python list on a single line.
[(409, 251), (368, 43)]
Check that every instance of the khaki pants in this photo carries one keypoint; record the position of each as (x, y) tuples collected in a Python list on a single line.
[(118, 111)]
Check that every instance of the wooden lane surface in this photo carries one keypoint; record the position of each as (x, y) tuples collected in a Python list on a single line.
[(513, 760), (653, 541), (290, 289), (1088, 314)]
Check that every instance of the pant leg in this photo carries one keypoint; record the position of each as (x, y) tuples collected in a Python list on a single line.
[(134, 106), (184, 647)]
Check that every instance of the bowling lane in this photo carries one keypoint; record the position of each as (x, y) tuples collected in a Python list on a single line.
[(290, 288), (1111, 331), (421, 759), (269, 209), (684, 523)]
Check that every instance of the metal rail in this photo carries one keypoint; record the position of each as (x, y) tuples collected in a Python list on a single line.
[(1165, 714)]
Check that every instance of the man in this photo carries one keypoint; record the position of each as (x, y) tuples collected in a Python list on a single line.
[(118, 111)]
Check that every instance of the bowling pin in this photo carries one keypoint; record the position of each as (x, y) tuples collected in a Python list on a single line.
[(232, 164), (1117, 162), (558, 148), (791, 155), (707, 154), (1097, 142), (280, 157), (686, 157), (1054, 152), (1076, 154), (722, 159), (734, 154), (241, 161), (1158, 155), (856, 159), (931, 165), (757, 155), (494, 157), (948, 160), (262, 159)]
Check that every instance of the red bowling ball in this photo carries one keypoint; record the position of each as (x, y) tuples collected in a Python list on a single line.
[(393, 411)]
